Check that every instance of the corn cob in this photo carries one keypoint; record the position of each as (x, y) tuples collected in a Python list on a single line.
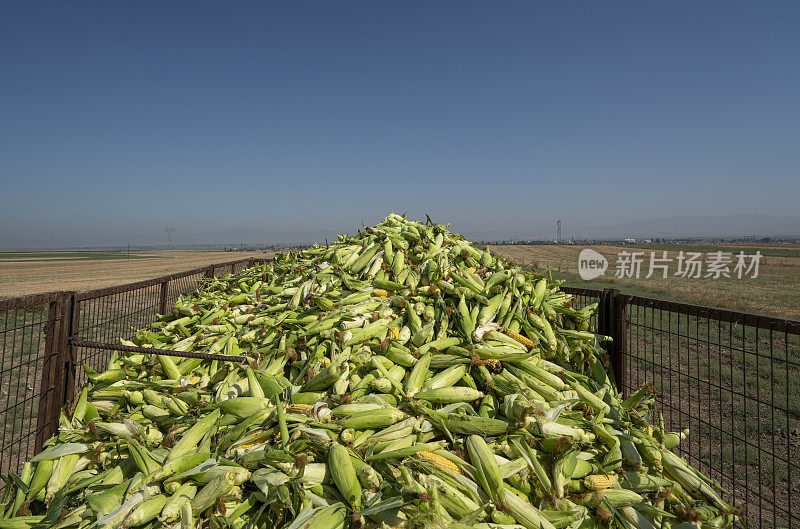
[(641, 482), (61, 473), (616, 497), (519, 338), (221, 485), (182, 496), (379, 418), (484, 462), (450, 395), (439, 461), (330, 517), (599, 482), (344, 475), (456, 503), (303, 409), (447, 377), (145, 512), (523, 512), (187, 517)]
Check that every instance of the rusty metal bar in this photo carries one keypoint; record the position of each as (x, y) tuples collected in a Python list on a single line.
[(64, 365), (604, 313), (580, 291), (47, 389), (68, 353), (162, 303), (77, 342), (619, 330), (23, 302), (742, 318), (107, 291)]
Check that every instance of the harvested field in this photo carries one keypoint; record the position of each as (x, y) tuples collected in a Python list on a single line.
[(29, 275), (774, 292)]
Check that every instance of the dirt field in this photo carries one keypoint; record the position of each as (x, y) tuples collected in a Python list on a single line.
[(775, 292), (21, 275)]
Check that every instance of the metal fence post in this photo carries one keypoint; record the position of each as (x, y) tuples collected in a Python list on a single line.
[(618, 327), (48, 391), (68, 350), (55, 367), (604, 313), (162, 302), (611, 321)]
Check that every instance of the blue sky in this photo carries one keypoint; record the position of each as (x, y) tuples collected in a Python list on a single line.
[(117, 119)]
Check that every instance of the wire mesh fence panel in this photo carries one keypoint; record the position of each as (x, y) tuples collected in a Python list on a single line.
[(241, 266), (28, 358), (111, 314), (183, 286), (39, 371), (732, 380), (583, 297)]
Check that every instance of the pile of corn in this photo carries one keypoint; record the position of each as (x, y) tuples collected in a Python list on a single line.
[(400, 378)]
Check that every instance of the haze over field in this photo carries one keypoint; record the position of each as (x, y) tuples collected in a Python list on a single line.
[(289, 122), (675, 227)]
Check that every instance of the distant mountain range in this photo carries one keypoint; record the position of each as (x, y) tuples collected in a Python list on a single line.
[(671, 227)]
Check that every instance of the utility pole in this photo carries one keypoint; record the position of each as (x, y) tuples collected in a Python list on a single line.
[(129, 251), (169, 231), (558, 231)]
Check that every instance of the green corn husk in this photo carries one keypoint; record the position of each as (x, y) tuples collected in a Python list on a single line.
[(183, 495), (375, 366), (344, 474)]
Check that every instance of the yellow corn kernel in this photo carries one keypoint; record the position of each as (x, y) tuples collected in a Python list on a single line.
[(518, 337), (394, 333), (471, 270), (381, 293), (303, 409), (259, 440), (325, 362), (599, 482), (493, 365), (440, 462)]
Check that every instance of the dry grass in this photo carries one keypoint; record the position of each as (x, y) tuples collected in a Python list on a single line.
[(18, 278), (775, 292)]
